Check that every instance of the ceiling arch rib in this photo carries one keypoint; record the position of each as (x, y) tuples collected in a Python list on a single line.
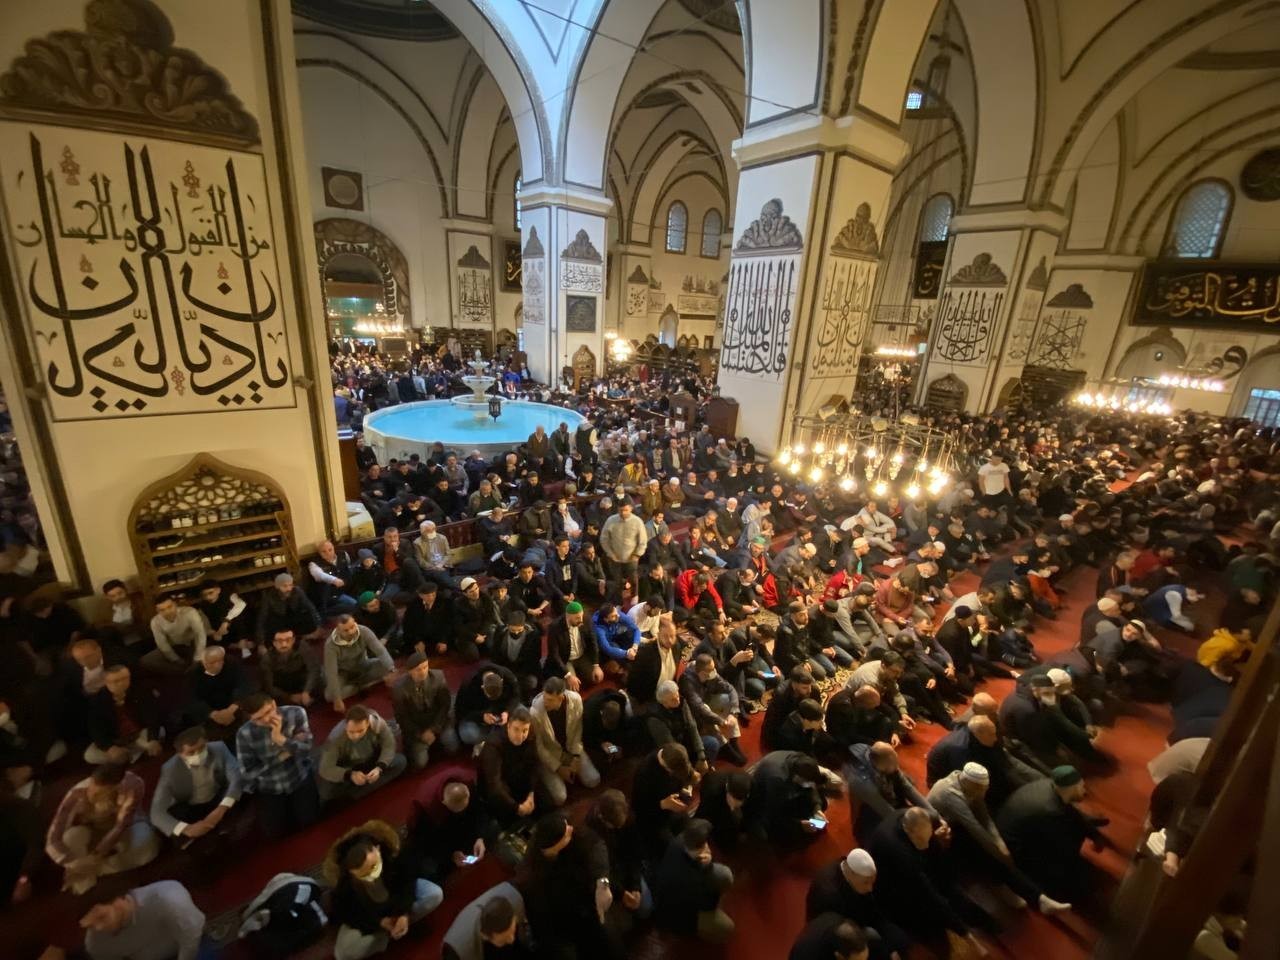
[(667, 159)]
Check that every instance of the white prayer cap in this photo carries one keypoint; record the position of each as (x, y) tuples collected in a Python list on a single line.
[(860, 863), (1059, 676), (975, 773)]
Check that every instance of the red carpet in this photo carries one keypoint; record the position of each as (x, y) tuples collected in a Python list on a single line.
[(767, 901)]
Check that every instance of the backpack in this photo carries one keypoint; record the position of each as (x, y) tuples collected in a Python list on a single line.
[(285, 917)]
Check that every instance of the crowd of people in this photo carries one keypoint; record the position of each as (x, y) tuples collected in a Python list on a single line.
[(643, 595)]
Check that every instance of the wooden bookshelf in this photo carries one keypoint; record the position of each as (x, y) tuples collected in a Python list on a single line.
[(212, 521)]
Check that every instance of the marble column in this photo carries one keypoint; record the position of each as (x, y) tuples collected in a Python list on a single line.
[(811, 203)]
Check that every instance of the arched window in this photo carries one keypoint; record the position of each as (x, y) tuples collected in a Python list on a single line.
[(677, 227), (712, 225), (1199, 220), (516, 201), (935, 219)]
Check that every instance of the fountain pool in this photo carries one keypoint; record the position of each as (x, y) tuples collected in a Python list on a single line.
[(413, 427)]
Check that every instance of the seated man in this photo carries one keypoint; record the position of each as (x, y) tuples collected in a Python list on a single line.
[(198, 786), (518, 647), (485, 702), (428, 623), (696, 596), (100, 828), (289, 671), (1031, 716), (788, 794), (354, 658), (715, 707), (959, 799), (846, 887), (274, 750), (884, 674), (617, 636), (223, 613), (490, 926), (669, 719), (122, 721), (534, 590), (978, 740), (662, 797), (592, 579), (572, 652), (882, 787), (798, 687), (510, 771), (423, 708), (449, 831), (1044, 829), (216, 688), (734, 664), (158, 920), (607, 730), (831, 937), (377, 892), (557, 725), (689, 885), (284, 605), (379, 616), (805, 732), (737, 593), (857, 716), (179, 633), (359, 757), (722, 801)]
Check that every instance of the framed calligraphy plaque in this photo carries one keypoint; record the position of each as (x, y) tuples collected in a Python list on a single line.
[(512, 266), (152, 279), (1209, 295)]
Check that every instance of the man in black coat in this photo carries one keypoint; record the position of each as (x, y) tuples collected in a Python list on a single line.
[(722, 802), (607, 731), (846, 887), (485, 702), (688, 887), (518, 647), (787, 797), (652, 659), (978, 741), (1044, 829), (564, 880), (509, 768), (799, 687), (857, 716), (662, 796), (832, 937), (423, 705), (428, 622), (1031, 716), (572, 649)]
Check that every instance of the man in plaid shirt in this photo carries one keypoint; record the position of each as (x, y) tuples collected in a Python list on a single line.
[(274, 749)]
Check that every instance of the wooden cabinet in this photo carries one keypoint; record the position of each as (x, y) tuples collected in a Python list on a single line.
[(212, 521), (721, 414)]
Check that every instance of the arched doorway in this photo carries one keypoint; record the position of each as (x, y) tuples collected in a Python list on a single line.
[(667, 326), (363, 275)]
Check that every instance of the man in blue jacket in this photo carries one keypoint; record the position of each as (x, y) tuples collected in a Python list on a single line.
[(617, 636)]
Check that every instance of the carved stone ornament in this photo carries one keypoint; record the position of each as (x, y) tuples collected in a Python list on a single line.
[(123, 71), (337, 235), (473, 259), (582, 249), (858, 237), (638, 275), (1039, 278), (1260, 178), (533, 249), (773, 232), (1074, 296), (983, 272)]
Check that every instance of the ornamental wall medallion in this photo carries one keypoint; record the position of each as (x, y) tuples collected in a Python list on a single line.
[(533, 246), (343, 189), (124, 72), (772, 233), (1260, 178), (857, 238), (982, 272)]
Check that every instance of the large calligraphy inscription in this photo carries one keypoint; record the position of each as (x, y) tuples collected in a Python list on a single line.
[(758, 307), (837, 339), (152, 278), (966, 318), (1229, 296)]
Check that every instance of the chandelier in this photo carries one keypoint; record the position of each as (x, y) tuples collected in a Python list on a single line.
[(874, 454), (1122, 402)]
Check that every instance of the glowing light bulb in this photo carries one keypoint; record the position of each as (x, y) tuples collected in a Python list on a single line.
[(784, 457), (922, 465), (846, 483), (872, 453), (815, 475), (819, 448), (880, 489), (843, 450), (795, 466), (912, 491), (799, 450), (898, 457)]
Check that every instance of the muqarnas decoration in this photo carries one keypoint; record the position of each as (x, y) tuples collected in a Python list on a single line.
[(857, 238), (580, 314), (773, 232), (982, 272), (1062, 328)]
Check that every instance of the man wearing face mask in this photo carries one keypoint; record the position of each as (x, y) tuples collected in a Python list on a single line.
[(198, 786), (376, 891), (1031, 716)]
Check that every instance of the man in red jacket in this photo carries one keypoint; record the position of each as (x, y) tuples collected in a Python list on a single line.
[(697, 594)]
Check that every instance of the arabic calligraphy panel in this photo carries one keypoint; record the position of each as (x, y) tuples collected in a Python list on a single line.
[(966, 319), (837, 336), (151, 281), (534, 281), (576, 275), (1227, 296), (758, 310)]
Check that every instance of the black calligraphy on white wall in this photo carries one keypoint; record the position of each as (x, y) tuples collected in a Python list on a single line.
[(966, 319), (475, 288), (150, 270), (1024, 325), (581, 266), (758, 307), (1062, 329), (838, 334)]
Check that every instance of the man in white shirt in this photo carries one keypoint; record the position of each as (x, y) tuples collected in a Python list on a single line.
[(993, 479), (180, 636), (646, 615)]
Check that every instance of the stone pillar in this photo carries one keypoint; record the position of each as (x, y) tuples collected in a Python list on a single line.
[(159, 291), (996, 275), (811, 204), (564, 279)]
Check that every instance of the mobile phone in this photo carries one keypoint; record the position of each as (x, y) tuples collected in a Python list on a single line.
[(611, 749), (468, 860), (768, 674), (686, 795), (817, 823)]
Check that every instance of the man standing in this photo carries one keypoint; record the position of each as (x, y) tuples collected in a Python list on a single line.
[(198, 785), (557, 724), (354, 658), (623, 541), (422, 707), (1044, 829), (993, 478), (179, 633), (359, 757), (274, 750)]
